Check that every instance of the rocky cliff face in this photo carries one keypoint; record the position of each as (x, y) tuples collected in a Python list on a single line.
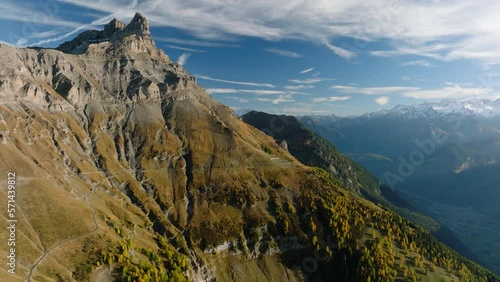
[(118, 65), (106, 131), (126, 168)]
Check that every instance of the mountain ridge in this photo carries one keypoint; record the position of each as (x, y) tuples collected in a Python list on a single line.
[(128, 169), (461, 152), (483, 108), (313, 150), (114, 31)]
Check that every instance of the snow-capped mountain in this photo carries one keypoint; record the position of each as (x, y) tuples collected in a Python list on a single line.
[(476, 107), (407, 111)]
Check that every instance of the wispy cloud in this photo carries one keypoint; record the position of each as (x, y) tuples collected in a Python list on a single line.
[(331, 99), (432, 29), (298, 87), (246, 91), (235, 82), (421, 63), (372, 90), (303, 111), (185, 49), (307, 70), (282, 52), (283, 98), (40, 21), (344, 53), (182, 60), (309, 80), (34, 15), (44, 34), (193, 42), (455, 91), (82, 27), (262, 92), (259, 92), (221, 91), (239, 99), (384, 100)]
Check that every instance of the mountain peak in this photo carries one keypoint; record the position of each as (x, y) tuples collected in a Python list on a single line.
[(112, 27), (113, 31), (139, 25)]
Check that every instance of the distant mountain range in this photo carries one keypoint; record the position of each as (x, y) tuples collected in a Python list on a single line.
[(313, 150), (125, 169), (441, 155), (475, 108)]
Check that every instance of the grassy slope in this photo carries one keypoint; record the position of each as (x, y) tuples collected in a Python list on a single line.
[(313, 150)]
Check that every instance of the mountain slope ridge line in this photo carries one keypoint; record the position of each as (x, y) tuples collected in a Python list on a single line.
[(178, 187)]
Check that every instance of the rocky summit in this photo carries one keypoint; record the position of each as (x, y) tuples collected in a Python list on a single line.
[(125, 169)]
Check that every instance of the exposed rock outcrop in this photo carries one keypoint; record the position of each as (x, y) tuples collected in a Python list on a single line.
[(126, 169), (114, 31), (119, 64)]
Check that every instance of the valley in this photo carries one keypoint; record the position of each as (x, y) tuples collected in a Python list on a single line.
[(455, 183), (130, 171)]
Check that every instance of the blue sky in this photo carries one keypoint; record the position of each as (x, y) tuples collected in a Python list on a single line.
[(299, 57)]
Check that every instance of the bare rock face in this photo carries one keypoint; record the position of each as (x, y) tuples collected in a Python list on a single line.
[(139, 26), (114, 32), (118, 64), (126, 169), (110, 132), (113, 27)]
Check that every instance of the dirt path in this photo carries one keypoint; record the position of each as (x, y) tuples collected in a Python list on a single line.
[(46, 252)]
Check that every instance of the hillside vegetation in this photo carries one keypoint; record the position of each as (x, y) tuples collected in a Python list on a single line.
[(127, 170)]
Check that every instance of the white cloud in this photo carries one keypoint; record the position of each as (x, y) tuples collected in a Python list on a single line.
[(239, 99), (48, 33), (421, 63), (185, 49), (344, 53), (21, 42), (303, 111), (455, 92), (372, 90), (309, 80), (282, 52), (298, 87), (221, 91), (182, 60), (262, 92), (264, 99), (199, 43), (444, 30), (283, 98), (34, 16), (307, 70), (79, 28), (382, 100), (331, 99), (248, 91), (235, 82)]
